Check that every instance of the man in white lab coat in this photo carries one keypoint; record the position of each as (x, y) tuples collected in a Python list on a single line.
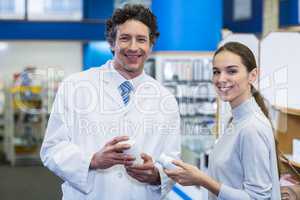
[(95, 112)]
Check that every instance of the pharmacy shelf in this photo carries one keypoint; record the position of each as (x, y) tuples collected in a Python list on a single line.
[(290, 111)]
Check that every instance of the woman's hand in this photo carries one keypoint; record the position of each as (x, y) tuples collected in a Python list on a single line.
[(186, 174)]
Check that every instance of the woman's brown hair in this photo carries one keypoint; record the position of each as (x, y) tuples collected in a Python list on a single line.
[(248, 60)]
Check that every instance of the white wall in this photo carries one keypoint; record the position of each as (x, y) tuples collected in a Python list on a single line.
[(14, 56), (280, 71)]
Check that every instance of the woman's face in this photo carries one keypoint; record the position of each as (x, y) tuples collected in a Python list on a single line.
[(231, 79)]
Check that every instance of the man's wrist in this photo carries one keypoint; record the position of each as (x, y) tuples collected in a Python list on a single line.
[(157, 181), (92, 163)]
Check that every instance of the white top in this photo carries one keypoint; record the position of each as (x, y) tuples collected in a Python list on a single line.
[(244, 158), (88, 111)]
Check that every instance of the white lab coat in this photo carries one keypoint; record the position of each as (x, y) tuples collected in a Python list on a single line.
[(88, 111)]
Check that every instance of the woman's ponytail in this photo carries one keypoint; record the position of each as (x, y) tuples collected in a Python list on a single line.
[(261, 103)]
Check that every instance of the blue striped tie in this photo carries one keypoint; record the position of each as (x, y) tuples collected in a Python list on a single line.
[(125, 88)]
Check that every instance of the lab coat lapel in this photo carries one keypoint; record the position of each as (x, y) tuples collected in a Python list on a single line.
[(141, 103), (110, 89)]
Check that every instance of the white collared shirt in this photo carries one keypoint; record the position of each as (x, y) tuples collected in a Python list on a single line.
[(119, 79)]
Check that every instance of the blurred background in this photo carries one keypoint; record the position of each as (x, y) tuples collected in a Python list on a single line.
[(43, 41)]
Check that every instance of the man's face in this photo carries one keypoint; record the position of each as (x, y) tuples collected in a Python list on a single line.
[(132, 47)]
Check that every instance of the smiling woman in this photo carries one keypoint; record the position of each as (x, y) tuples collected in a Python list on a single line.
[(243, 163)]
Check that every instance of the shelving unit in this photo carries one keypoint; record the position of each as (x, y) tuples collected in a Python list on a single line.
[(188, 75), (23, 133), (288, 111), (2, 109), (288, 128), (26, 116), (2, 130)]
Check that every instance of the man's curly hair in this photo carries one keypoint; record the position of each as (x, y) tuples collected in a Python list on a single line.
[(131, 12)]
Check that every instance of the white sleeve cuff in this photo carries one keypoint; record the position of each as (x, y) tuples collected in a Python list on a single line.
[(84, 178), (86, 183), (166, 182)]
